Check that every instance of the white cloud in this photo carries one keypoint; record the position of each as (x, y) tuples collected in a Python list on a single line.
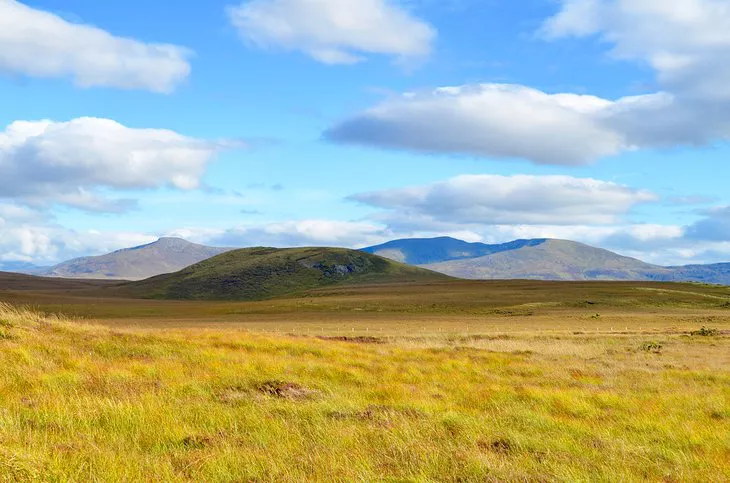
[(687, 42), (305, 233), (333, 31), (472, 200), (10, 212), (40, 44), (45, 162), (45, 244), (502, 121)]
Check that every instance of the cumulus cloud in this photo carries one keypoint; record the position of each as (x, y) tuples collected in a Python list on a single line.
[(46, 162), (40, 44), (333, 31), (11, 212), (497, 209), (473, 200), (304, 233), (45, 244), (496, 120), (687, 42)]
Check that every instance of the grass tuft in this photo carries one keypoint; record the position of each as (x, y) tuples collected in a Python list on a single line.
[(705, 332), (654, 347)]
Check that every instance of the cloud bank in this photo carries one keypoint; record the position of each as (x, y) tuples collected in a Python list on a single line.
[(47, 162), (474, 200), (304, 233), (40, 44), (687, 42)]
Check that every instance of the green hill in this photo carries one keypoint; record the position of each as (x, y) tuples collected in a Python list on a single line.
[(261, 273)]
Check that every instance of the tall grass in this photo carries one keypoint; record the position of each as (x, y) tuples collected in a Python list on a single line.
[(84, 403)]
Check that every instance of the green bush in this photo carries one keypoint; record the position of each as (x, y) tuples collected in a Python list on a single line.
[(705, 332)]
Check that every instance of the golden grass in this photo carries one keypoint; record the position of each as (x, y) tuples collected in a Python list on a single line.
[(79, 402)]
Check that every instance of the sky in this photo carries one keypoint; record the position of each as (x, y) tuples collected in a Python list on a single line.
[(350, 123)]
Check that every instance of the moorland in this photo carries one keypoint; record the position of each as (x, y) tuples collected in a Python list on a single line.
[(435, 380)]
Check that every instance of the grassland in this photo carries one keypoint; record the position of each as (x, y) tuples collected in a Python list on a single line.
[(465, 381)]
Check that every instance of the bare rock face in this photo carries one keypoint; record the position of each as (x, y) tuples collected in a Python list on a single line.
[(336, 269)]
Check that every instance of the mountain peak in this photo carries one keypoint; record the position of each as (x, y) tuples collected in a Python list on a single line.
[(172, 241), (166, 255), (421, 251)]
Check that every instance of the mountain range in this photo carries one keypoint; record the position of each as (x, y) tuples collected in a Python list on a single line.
[(539, 259), (21, 267)]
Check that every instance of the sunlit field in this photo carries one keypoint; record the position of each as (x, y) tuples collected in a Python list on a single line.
[(368, 385)]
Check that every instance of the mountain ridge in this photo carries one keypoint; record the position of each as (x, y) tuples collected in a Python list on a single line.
[(537, 259), (550, 259), (421, 251), (166, 255)]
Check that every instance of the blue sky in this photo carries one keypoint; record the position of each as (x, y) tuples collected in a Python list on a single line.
[(323, 122)]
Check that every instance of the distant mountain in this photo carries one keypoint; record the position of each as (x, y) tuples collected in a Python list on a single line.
[(166, 255), (540, 259), (422, 251), (716, 273), (262, 273), (21, 267), (550, 260)]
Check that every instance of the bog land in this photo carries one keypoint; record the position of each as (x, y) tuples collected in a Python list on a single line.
[(427, 381)]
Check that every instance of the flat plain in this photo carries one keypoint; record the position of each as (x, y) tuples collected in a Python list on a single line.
[(447, 381)]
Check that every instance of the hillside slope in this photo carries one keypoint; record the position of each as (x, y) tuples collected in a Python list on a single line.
[(553, 260), (261, 273), (422, 251), (166, 255)]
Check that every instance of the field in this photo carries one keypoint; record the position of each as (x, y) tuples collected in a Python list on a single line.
[(457, 381)]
